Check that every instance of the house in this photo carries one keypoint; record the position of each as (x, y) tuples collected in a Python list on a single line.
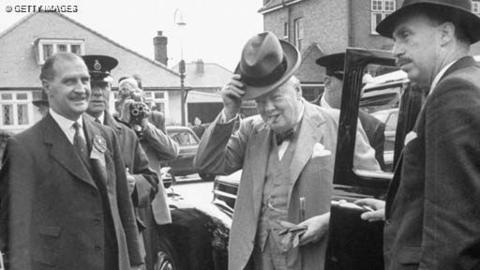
[(25, 45), (320, 27), (205, 80)]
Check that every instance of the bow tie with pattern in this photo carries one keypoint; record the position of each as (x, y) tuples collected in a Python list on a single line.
[(285, 136)]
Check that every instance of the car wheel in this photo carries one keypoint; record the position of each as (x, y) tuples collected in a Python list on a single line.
[(167, 257), (206, 176)]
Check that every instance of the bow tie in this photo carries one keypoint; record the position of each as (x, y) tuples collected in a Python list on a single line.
[(287, 135)]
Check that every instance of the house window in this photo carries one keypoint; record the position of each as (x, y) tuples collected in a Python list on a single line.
[(379, 10), (16, 109), (476, 7), (298, 32), (47, 47), (158, 100)]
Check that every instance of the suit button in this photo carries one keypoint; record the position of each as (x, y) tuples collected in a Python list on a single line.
[(97, 220), (98, 248), (93, 193), (388, 222)]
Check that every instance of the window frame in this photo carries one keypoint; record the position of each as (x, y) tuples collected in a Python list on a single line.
[(298, 32), (476, 7), (56, 43), (150, 97), (379, 7), (15, 102)]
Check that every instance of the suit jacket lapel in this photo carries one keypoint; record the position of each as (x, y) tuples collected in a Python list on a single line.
[(62, 151), (261, 145), (308, 135)]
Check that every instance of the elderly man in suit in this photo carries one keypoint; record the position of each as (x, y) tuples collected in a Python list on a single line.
[(432, 208), (64, 187), (332, 98), (146, 187), (286, 153)]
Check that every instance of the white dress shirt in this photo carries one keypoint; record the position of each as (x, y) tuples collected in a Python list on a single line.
[(66, 125)]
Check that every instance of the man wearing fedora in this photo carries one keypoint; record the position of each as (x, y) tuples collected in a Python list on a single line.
[(432, 208), (332, 98), (286, 153)]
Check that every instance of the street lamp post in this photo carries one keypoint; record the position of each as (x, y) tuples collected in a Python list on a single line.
[(178, 20)]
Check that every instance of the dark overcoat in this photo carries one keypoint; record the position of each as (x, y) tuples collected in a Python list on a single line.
[(55, 215), (433, 205)]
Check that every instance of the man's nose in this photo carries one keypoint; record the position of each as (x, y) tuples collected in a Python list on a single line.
[(269, 105), (398, 49)]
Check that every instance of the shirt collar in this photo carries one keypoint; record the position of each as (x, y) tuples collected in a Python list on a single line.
[(101, 118), (324, 103), (66, 125), (439, 76)]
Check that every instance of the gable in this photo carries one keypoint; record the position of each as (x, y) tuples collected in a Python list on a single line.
[(19, 66)]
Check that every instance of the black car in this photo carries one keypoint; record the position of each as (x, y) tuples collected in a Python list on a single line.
[(353, 242), (182, 165)]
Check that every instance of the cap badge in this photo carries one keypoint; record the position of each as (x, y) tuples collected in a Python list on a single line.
[(97, 66)]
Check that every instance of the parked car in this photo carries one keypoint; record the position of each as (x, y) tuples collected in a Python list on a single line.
[(350, 184), (182, 165)]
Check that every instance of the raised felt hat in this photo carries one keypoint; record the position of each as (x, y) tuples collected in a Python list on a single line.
[(457, 10), (333, 63), (266, 63), (100, 66)]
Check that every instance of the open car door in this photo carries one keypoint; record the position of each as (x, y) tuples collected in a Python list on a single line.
[(354, 243)]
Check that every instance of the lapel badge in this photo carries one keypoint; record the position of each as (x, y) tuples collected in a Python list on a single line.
[(99, 143)]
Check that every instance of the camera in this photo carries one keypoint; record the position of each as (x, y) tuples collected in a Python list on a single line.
[(138, 112)]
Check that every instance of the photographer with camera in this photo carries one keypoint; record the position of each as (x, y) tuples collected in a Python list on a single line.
[(158, 146)]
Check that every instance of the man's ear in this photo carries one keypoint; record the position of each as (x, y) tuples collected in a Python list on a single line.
[(46, 86), (447, 32)]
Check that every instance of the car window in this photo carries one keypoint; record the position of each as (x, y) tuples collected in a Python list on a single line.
[(183, 138), (378, 116)]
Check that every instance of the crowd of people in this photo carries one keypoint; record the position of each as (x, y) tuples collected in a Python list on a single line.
[(81, 189)]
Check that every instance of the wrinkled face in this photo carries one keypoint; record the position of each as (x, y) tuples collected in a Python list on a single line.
[(280, 108), (69, 90), (417, 43), (99, 99)]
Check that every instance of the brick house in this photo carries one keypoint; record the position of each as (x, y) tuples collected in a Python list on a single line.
[(319, 27), (26, 44)]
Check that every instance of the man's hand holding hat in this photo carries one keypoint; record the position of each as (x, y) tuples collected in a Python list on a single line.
[(232, 94)]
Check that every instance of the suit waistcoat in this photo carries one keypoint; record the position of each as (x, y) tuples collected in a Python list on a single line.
[(275, 192)]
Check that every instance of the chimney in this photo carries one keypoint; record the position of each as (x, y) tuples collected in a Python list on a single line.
[(200, 66), (160, 47)]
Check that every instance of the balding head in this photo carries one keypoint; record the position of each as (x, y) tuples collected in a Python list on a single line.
[(47, 72)]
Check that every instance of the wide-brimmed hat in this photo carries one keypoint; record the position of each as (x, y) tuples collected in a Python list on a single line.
[(266, 63), (459, 11), (333, 63), (100, 67)]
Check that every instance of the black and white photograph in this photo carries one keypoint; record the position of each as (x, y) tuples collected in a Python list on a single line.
[(240, 135)]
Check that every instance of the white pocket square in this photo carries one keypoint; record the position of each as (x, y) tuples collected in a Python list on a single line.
[(320, 151), (410, 137)]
